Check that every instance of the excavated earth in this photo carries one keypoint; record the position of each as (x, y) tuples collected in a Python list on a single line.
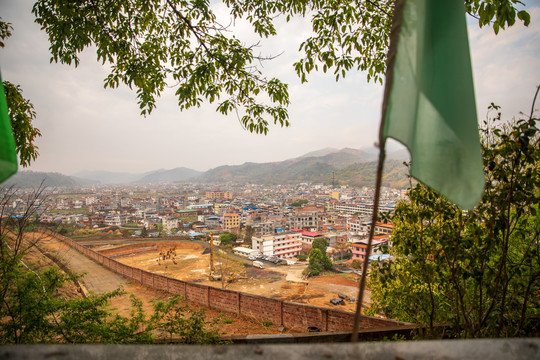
[(190, 261)]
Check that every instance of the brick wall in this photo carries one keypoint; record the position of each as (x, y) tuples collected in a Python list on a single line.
[(197, 293), (261, 308), (300, 316), (225, 300), (291, 315)]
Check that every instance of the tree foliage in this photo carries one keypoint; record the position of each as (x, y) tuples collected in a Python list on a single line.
[(227, 238), (249, 232), (152, 44), (144, 232), (318, 258), (299, 203), (33, 308), (316, 262), (476, 271), (21, 112)]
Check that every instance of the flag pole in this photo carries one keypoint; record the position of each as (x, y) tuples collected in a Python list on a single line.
[(391, 56)]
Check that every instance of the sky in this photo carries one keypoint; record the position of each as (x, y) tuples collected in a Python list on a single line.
[(86, 127)]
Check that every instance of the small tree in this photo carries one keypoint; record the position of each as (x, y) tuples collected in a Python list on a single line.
[(249, 231), (321, 244), (227, 238), (144, 232), (316, 262)]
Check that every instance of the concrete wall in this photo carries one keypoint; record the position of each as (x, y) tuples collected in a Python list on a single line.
[(290, 315), (496, 349)]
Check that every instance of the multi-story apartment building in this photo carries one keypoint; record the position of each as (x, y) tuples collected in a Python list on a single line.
[(169, 223), (307, 237), (116, 220), (212, 222), (284, 245), (382, 228), (219, 195), (308, 221), (359, 247), (355, 224), (364, 209), (272, 225), (231, 221)]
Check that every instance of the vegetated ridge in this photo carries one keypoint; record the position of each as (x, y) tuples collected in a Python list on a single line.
[(33, 179), (347, 166), (354, 167)]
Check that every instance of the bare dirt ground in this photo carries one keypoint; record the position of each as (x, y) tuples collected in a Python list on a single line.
[(98, 279), (191, 263)]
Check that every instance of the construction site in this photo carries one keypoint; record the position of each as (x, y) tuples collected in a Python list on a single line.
[(197, 262)]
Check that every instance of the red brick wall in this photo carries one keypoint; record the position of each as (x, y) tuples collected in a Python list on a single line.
[(177, 287), (261, 308), (197, 293), (291, 315), (224, 300), (299, 316), (147, 278), (340, 320), (126, 248), (137, 273), (160, 282)]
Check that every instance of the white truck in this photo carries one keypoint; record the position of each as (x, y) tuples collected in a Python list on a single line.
[(258, 264)]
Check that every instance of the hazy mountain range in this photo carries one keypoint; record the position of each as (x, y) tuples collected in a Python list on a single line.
[(354, 167)]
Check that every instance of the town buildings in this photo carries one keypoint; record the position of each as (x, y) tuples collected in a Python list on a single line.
[(342, 215)]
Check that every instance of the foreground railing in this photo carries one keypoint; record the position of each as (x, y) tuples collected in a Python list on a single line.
[(499, 349)]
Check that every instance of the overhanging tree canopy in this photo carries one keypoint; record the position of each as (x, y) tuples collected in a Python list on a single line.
[(151, 44)]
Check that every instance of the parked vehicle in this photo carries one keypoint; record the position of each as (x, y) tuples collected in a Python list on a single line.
[(337, 302), (258, 264)]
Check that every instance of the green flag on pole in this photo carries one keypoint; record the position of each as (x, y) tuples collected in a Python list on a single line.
[(8, 151), (429, 101)]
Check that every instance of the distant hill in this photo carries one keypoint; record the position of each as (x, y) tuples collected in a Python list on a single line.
[(33, 179), (173, 175), (350, 166), (320, 152), (354, 167), (400, 155), (109, 177), (364, 174)]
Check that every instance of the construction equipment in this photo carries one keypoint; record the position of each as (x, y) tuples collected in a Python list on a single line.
[(213, 276), (212, 269)]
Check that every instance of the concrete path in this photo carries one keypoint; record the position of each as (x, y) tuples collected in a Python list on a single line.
[(96, 278)]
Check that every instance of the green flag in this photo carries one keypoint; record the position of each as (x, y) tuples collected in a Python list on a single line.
[(8, 151), (429, 98)]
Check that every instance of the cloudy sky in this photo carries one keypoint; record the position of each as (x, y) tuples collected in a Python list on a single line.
[(87, 127)]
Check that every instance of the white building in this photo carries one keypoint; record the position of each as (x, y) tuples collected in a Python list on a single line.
[(365, 209), (242, 251), (283, 245), (169, 223), (116, 220)]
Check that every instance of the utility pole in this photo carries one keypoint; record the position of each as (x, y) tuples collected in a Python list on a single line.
[(212, 269)]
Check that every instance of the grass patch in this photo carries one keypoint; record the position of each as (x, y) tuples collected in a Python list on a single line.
[(267, 323)]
